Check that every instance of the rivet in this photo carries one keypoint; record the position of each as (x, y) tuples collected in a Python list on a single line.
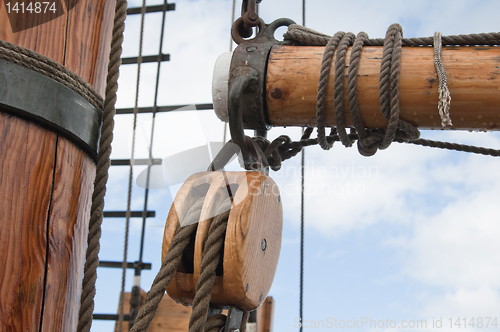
[(247, 288), (251, 49), (263, 245), (260, 298), (279, 198)]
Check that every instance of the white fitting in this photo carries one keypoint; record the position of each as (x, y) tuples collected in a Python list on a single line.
[(220, 85)]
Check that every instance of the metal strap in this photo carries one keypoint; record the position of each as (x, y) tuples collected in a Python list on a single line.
[(34, 96)]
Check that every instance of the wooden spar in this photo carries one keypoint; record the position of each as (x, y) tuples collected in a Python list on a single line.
[(46, 181), (473, 78)]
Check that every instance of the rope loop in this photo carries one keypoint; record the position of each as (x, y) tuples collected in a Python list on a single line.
[(322, 87), (346, 41), (369, 141)]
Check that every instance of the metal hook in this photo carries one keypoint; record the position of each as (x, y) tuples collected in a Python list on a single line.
[(265, 31), (255, 159)]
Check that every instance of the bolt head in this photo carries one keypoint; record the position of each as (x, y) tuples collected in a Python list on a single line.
[(253, 17), (263, 245)]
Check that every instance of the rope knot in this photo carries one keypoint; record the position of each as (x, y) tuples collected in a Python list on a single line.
[(272, 150), (372, 141)]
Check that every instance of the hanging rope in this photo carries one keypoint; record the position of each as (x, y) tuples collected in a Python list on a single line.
[(444, 92), (209, 262), (103, 163), (302, 189), (301, 285)]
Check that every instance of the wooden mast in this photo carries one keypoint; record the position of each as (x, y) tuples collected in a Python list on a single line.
[(46, 180)]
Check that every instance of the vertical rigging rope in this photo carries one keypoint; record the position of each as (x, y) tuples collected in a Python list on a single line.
[(103, 163), (301, 307), (230, 50), (301, 300), (303, 13), (130, 175)]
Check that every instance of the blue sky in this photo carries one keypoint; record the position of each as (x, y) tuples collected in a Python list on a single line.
[(408, 234)]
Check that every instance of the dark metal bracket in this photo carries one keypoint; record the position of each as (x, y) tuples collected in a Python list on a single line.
[(248, 76), (31, 95), (247, 108)]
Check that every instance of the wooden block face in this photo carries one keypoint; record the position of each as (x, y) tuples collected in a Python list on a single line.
[(252, 243)]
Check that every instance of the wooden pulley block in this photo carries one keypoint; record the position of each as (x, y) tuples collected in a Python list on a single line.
[(252, 242)]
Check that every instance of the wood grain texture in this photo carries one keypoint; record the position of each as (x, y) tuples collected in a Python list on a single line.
[(68, 228), (90, 26), (265, 315), (43, 253), (249, 270), (80, 39), (27, 154), (473, 79), (126, 308), (171, 316)]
